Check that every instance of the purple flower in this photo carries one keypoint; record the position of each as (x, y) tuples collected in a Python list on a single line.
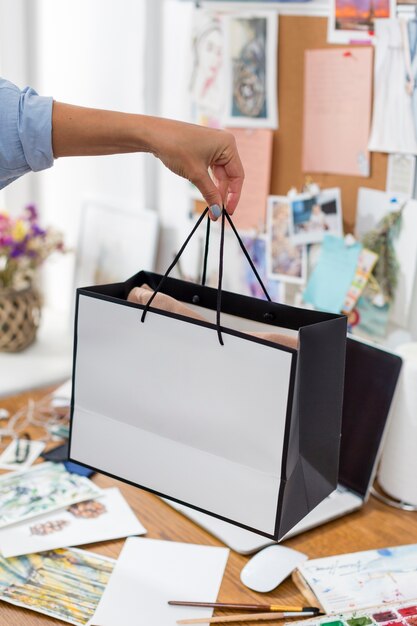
[(32, 212), (17, 251), (6, 240), (38, 231)]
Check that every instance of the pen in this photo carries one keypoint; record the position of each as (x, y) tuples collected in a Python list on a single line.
[(248, 607), (245, 617)]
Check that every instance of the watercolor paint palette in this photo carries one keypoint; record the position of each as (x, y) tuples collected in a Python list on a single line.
[(386, 615)]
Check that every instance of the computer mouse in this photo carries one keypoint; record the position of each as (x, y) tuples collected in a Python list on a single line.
[(269, 567)]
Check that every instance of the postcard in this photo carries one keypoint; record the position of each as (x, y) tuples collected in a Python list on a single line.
[(352, 21), (41, 489), (285, 261), (65, 584), (313, 217), (251, 52), (20, 454), (346, 582), (150, 572), (91, 521)]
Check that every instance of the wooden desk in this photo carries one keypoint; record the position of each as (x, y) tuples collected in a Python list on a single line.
[(375, 526)]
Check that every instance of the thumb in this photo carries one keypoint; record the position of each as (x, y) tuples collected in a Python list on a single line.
[(210, 193)]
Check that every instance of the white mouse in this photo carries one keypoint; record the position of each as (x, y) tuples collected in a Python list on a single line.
[(269, 567)]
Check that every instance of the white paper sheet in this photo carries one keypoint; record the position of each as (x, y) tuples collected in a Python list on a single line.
[(112, 519), (8, 458), (150, 572)]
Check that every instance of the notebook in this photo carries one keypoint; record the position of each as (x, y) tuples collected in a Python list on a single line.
[(370, 381)]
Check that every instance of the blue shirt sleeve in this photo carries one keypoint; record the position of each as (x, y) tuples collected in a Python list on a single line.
[(25, 132)]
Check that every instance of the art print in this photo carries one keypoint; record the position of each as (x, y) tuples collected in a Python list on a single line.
[(285, 261), (207, 83), (252, 71), (42, 489), (353, 20), (98, 519), (65, 584)]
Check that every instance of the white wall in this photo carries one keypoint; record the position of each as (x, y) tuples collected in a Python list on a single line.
[(90, 54)]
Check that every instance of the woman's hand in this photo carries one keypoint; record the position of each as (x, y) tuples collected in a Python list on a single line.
[(191, 151), (187, 149)]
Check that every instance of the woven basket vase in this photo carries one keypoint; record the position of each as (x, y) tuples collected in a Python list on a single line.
[(20, 313)]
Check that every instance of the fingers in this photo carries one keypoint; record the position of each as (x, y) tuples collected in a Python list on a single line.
[(210, 193), (235, 176)]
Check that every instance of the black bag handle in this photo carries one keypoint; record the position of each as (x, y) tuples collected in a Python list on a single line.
[(221, 255)]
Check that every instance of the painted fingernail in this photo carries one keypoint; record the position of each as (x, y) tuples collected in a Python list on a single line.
[(215, 210)]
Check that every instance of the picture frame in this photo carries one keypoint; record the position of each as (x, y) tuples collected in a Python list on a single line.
[(113, 243), (313, 216), (285, 261)]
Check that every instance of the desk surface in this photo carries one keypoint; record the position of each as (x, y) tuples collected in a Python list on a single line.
[(375, 526)]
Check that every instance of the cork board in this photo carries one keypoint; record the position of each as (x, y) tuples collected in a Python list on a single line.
[(297, 34)]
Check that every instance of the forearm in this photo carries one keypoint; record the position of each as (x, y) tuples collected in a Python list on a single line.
[(80, 131)]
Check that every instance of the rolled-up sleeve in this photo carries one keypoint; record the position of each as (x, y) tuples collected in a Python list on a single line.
[(25, 132)]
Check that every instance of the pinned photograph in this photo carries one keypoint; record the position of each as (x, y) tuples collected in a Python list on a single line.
[(251, 45), (354, 20), (286, 262), (313, 217)]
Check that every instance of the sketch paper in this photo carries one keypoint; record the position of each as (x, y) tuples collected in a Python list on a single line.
[(359, 580), (150, 572), (313, 217), (8, 458), (354, 20), (65, 584), (255, 149), (285, 261), (207, 81), (251, 76), (373, 205), (337, 111), (41, 489), (401, 174), (102, 519), (393, 128), (330, 281)]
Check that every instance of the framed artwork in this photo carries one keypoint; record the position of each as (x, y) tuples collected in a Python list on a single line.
[(114, 244), (251, 73), (285, 261)]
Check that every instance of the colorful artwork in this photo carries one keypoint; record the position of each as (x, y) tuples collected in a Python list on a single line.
[(313, 217), (348, 582), (65, 584), (252, 54), (42, 489), (354, 20), (286, 261), (207, 74), (256, 247), (87, 522), (392, 615)]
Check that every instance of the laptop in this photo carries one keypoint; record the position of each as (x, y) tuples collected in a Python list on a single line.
[(370, 381)]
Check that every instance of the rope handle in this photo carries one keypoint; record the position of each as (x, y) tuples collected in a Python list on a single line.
[(224, 216)]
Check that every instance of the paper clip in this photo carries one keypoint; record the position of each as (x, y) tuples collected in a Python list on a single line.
[(22, 451)]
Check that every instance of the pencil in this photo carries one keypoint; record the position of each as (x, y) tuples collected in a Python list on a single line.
[(243, 617), (248, 607)]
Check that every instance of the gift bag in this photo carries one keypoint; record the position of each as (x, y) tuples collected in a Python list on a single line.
[(231, 405)]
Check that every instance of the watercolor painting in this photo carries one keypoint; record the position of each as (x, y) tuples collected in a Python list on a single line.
[(207, 73), (354, 20), (359, 580), (41, 489), (256, 246), (65, 584), (90, 521)]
